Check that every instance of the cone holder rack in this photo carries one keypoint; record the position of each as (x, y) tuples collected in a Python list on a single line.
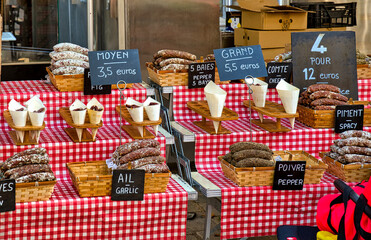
[(202, 108), (132, 129), (31, 133), (271, 109), (72, 132)]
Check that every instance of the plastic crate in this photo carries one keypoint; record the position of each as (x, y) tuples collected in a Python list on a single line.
[(329, 14)]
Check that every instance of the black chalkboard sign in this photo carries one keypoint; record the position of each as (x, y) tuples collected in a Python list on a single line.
[(94, 89), (7, 195), (238, 62), (109, 67), (349, 117), (289, 175), (200, 74), (127, 185), (325, 57), (278, 71)]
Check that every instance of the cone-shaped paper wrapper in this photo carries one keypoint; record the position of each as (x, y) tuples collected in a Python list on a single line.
[(94, 132), (289, 95), (215, 97), (20, 135), (137, 112), (33, 100), (95, 116), (259, 89), (141, 130), (153, 111), (292, 122), (155, 129), (36, 111), (19, 117), (261, 117), (79, 133), (216, 126), (78, 117)]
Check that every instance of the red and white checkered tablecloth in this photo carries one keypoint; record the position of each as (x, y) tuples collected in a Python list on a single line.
[(67, 216), (364, 89), (21, 91)]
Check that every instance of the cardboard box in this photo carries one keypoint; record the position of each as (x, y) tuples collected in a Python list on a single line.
[(270, 39), (266, 15)]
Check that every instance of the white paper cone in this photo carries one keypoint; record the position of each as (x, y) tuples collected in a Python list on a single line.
[(95, 116), (94, 132), (37, 118), (135, 113), (34, 99), (78, 117), (20, 136), (216, 126), (79, 133), (38, 136), (261, 117), (215, 97), (141, 131), (289, 95), (259, 89), (292, 122), (155, 129), (19, 117), (153, 111)]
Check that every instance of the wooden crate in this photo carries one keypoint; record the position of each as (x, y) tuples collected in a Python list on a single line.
[(326, 118), (347, 172), (93, 178), (263, 176), (174, 78), (363, 71), (72, 83), (34, 191)]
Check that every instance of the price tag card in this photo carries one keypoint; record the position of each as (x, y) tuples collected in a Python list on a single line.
[(289, 175), (200, 74), (349, 117), (127, 185), (278, 71), (7, 195), (94, 89), (239, 62), (325, 57), (109, 67)]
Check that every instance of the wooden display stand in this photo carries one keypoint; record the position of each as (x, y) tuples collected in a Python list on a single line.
[(132, 129), (271, 109), (202, 108), (71, 132), (28, 139)]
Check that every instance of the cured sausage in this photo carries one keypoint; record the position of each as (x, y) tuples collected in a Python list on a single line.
[(70, 70), (254, 162), (355, 133), (134, 145), (36, 177), (26, 170), (143, 161), (174, 61), (327, 101), (251, 153), (60, 47), (328, 94), (24, 160), (140, 153), (323, 87), (236, 147), (68, 55), (353, 141), (174, 54), (155, 168), (174, 67), (70, 62)]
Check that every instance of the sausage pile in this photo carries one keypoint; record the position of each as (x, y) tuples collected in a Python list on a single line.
[(249, 154), (31, 165), (322, 97), (69, 59), (353, 147), (172, 60), (140, 154)]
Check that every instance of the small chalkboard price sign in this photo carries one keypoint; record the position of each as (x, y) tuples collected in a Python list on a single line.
[(278, 71), (289, 175), (238, 62), (200, 74), (127, 185), (109, 67), (349, 117), (7, 195), (94, 89), (327, 58)]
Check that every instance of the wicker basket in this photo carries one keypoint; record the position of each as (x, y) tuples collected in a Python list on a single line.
[(263, 176), (347, 173), (171, 78), (72, 83), (93, 178), (326, 118), (363, 71), (34, 191)]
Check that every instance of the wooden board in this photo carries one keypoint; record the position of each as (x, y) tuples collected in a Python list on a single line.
[(202, 108), (86, 136), (28, 127), (270, 125), (26, 141), (66, 115), (271, 109), (126, 115), (134, 132), (208, 126)]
